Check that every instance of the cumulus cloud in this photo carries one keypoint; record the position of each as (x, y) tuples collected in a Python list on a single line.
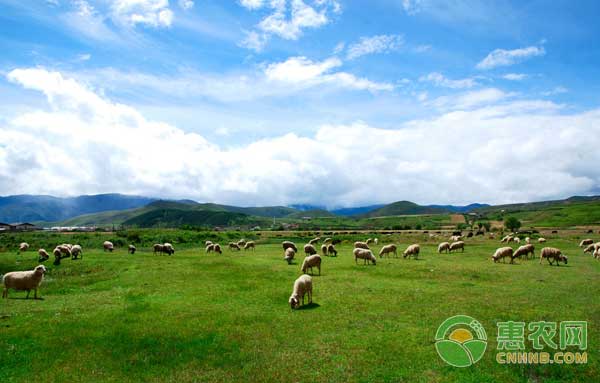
[(439, 79), (471, 99), (503, 57), (374, 44), (556, 90), (85, 143), (514, 76), (153, 13)]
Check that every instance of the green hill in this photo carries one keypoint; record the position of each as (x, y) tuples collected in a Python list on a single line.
[(177, 217), (403, 208), (315, 213)]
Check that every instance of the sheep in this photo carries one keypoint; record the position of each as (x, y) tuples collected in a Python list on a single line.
[(288, 255), (310, 262), (443, 247), (309, 249), (455, 238), (412, 251), (206, 243), (361, 245), (67, 245), (250, 245), (331, 250), (158, 248), (324, 249), (586, 242), (507, 238), (210, 248), (314, 240), (288, 244), (456, 246), (369, 241), (492, 236), (516, 239), (591, 248), (241, 243), (108, 246), (327, 240), (302, 287), (217, 248), (57, 256), (131, 249), (233, 246), (376, 240), (523, 250), (364, 254), (64, 251), (541, 240), (596, 253), (528, 240), (553, 254), (168, 248), (43, 255), (24, 280), (387, 249), (502, 253), (23, 246), (76, 251)]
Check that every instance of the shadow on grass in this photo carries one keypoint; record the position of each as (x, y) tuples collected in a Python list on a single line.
[(309, 306), (26, 299)]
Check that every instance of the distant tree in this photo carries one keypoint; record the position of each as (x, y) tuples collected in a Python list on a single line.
[(479, 225), (461, 226), (512, 223), (487, 226)]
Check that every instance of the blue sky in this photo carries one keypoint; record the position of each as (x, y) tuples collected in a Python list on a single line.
[(330, 102)]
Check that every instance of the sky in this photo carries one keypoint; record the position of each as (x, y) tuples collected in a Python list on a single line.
[(333, 103)]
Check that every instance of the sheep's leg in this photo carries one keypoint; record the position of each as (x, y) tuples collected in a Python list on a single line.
[(27, 297), (5, 292), (35, 294)]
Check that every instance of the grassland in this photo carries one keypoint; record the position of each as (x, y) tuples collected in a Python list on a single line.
[(194, 317)]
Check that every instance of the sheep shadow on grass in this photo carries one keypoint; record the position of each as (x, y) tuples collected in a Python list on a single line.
[(309, 306)]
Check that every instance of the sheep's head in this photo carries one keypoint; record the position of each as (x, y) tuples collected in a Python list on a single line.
[(41, 269), (294, 302), (564, 258)]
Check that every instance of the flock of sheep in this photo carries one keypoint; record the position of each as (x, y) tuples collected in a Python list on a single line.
[(31, 280)]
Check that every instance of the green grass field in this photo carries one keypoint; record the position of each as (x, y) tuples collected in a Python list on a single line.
[(194, 317)]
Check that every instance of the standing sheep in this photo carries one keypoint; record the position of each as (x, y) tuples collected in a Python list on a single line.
[(314, 240), (331, 250), (288, 255), (541, 240), (517, 239), (241, 243), (168, 248), (309, 249), (288, 244), (456, 246), (376, 240), (412, 251), (217, 248), (443, 247), (209, 248), (76, 251), (310, 262), (206, 243), (24, 280), (131, 249), (586, 242), (302, 287), (361, 245), (369, 241), (502, 253), (43, 255), (233, 246), (597, 253), (57, 256), (327, 240), (507, 238), (528, 240), (250, 245), (523, 250), (364, 254), (23, 246), (387, 249), (324, 249), (553, 254), (108, 246), (158, 248), (592, 248)]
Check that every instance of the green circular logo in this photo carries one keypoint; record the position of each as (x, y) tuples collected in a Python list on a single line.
[(460, 341)]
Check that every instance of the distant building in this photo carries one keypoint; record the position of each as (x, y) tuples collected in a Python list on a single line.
[(4, 226), (23, 226)]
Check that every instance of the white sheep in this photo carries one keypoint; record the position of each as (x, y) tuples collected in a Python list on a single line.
[(376, 240), (309, 249), (302, 286), (364, 254), (586, 242), (76, 251), (64, 251), (324, 249), (516, 239), (209, 248), (250, 245), (597, 253), (592, 248), (233, 246), (412, 251), (369, 241), (158, 248), (288, 255), (310, 262), (206, 243), (541, 240), (23, 246), (502, 253), (443, 247), (331, 250), (108, 246), (314, 240), (456, 246), (524, 250), (241, 243), (361, 245), (168, 248), (43, 255), (57, 255), (528, 240), (553, 254), (327, 240), (288, 244), (217, 248), (24, 280), (387, 249), (507, 238), (131, 249), (492, 236)]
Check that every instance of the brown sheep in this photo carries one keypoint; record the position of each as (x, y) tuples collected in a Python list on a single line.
[(553, 254)]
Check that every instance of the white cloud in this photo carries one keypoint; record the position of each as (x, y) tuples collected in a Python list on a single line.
[(153, 13), (375, 44), (339, 48), (84, 57), (412, 6), (252, 4), (514, 76), (557, 90), (439, 79), (503, 57), (85, 143), (470, 100), (254, 41), (186, 4)]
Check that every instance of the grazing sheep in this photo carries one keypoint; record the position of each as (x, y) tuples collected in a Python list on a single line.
[(527, 240), (412, 251), (502, 253), (310, 262), (206, 243), (331, 250), (387, 249), (327, 240), (364, 254), (43, 255), (523, 250), (158, 248), (250, 245), (516, 239), (290, 245), (309, 249), (24, 280), (64, 251), (376, 240), (314, 240), (217, 248), (456, 246), (23, 246), (76, 251), (443, 247), (302, 287), (553, 254), (361, 245), (592, 248), (541, 240), (586, 242), (108, 246), (131, 249), (369, 241), (241, 243), (596, 253), (57, 256), (168, 248), (324, 249), (491, 236), (507, 238), (288, 255), (209, 248), (455, 238), (233, 246), (67, 245)]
